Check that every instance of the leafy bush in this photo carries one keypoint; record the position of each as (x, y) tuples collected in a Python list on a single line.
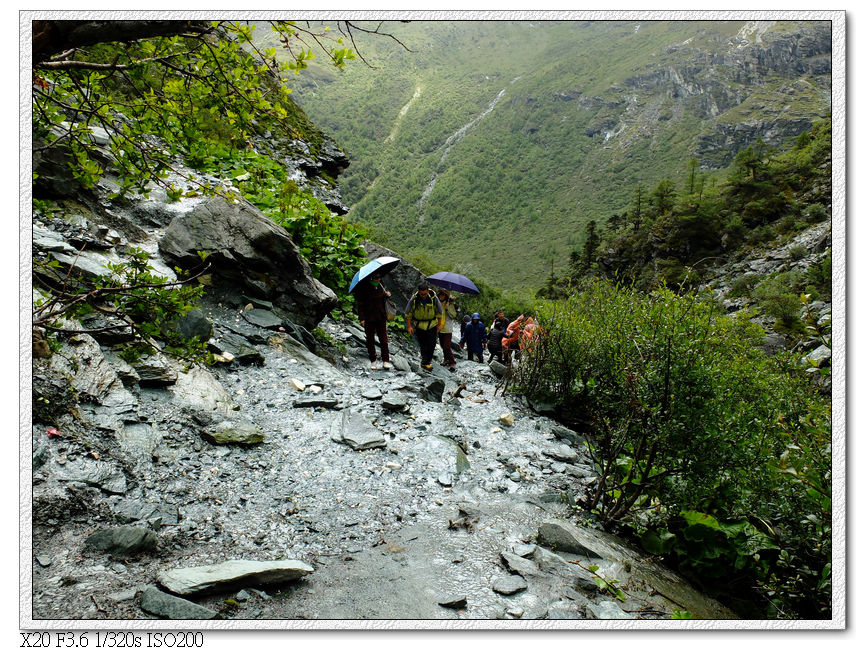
[(779, 297), (815, 213), (684, 413), (744, 284), (145, 304), (798, 253)]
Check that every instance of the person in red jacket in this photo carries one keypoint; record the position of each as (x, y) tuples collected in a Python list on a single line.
[(512, 336), (370, 298)]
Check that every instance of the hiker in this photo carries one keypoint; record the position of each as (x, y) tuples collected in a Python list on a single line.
[(446, 332), (510, 343), (370, 299), (475, 336), (465, 321), (496, 334), (424, 317), (530, 330)]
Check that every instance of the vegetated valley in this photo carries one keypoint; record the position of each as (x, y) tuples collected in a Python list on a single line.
[(209, 440), (491, 145)]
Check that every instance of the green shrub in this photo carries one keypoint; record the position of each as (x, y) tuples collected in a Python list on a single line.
[(684, 413), (815, 213), (779, 296), (798, 253), (743, 285)]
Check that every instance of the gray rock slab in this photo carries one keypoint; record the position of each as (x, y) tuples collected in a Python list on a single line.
[(453, 602), (232, 575), (92, 472), (394, 401), (199, 389), (131, 510), (262, 318), (356, 431), (606, 610), (399, 363), (122, 540), (238, 432), (155, 371), (509, 585), (555, 564), (371, 393), (316, 401), (564, 610), (521, 565), (564, 453), (139, 439), (165, 605), (563, 433), (564, 536)]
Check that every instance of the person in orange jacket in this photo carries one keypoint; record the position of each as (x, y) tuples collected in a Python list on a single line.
[(510, 342)]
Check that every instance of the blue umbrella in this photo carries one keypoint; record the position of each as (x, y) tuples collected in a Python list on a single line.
[(378, 265), (453, 282)]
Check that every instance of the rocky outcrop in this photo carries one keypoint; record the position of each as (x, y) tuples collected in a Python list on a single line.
[(247, 252)]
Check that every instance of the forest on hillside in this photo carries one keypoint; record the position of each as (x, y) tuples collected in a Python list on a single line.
[(489, 146)]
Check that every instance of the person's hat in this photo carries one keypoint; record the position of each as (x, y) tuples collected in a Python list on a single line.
[(500, 311), (476, 316)]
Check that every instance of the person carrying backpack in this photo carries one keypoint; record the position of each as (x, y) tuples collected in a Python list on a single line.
[(424, 316), (446, 332), (475, 337), (497, 333)]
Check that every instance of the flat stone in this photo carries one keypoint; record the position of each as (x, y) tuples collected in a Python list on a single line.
[(563, 536), (454, 602), (167, 606), (524, 550), (297, 384), (606, 610), (122, 540), (322, 401), (564, 610), (521, 565), (563, 453), (239, 432), (262, 318), (509, 585), (355, 431), (394, 401), (371, 393), (232, 575)]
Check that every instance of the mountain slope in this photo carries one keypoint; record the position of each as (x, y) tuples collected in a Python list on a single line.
[(491, 145)]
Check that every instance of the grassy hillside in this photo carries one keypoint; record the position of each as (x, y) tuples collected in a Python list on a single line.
[(490, 145)]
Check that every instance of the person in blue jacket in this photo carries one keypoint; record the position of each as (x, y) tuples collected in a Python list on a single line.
[(475, 336)]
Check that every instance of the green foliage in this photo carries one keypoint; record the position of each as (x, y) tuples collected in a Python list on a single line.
[(147, 305), (798, 253), (778, 296), (818, 278), (689, 424), (565, 144), (202, 98)]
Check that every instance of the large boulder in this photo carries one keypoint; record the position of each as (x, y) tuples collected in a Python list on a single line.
[(249, 250)]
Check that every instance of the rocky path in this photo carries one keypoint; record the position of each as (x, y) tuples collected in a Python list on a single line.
[(405, 500)]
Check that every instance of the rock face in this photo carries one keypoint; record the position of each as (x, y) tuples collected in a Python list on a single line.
[(249, 251), (233, 574)]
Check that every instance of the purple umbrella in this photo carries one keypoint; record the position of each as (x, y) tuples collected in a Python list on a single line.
[(453, 282)]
